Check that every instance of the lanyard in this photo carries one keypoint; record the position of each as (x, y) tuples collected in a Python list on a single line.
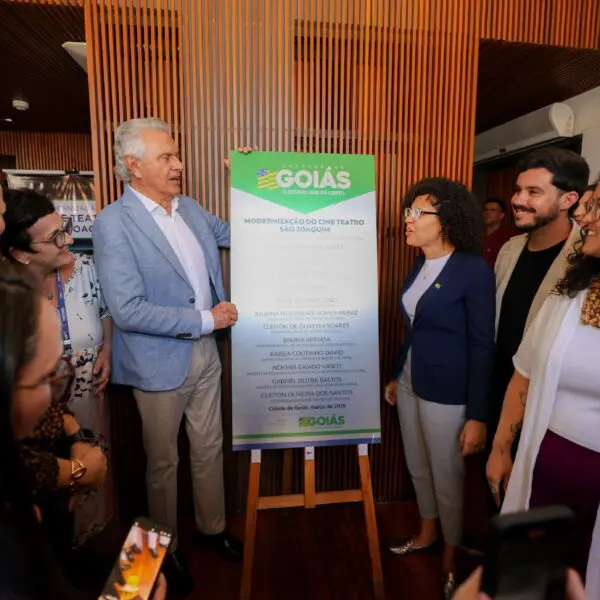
[(62, 311)]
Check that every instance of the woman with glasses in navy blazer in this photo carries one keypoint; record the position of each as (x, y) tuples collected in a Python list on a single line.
[(441, 384)]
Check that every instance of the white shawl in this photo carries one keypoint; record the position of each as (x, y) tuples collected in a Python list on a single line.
[(539, 359)]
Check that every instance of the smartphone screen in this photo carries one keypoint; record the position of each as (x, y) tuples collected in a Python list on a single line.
[(139, 563)]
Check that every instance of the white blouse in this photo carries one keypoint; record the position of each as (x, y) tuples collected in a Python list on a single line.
[(540, 359), (576, 413)]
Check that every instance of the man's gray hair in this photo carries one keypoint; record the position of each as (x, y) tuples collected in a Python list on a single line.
[(129, 142)]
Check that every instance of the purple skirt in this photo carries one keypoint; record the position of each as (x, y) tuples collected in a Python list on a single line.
[(568, 474)]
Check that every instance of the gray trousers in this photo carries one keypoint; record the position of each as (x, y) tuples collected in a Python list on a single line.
[(199, 400), (431, 433)]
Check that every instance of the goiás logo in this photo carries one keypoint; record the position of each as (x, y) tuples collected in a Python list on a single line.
[(315, 178), (322, 421)]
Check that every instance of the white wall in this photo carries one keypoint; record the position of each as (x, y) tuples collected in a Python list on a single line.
[(586, 107)]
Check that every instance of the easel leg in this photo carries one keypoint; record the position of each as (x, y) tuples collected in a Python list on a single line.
[(251, 518), (371, 521), (288, 458), (310, 500)]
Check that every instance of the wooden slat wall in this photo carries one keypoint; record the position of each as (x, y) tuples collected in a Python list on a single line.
[(380, 77), (395, 78), (54, 151), (134, 71), (573, 23)]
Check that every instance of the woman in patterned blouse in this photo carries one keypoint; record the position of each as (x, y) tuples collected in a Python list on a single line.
[(36, 237)]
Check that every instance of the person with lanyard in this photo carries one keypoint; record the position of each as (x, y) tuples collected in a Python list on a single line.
[(442, 378), (66, 454), (549, 184)]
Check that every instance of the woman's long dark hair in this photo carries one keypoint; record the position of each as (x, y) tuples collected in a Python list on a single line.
[(582, 272), (37, 573)]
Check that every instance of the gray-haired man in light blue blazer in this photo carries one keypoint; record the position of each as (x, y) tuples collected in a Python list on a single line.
[(157, 255)]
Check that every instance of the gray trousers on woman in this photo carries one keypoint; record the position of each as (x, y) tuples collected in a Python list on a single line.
[(431, 432)]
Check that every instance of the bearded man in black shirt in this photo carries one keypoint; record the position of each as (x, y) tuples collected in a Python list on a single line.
[(549, 184)]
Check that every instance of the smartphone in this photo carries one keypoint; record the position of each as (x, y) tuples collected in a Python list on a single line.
[(528, 554), (136, 570)]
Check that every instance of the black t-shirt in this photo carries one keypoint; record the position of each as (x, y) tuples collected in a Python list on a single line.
[(528, 274)]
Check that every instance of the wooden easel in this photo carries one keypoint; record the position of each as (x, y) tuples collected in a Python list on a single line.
[(310, 499)]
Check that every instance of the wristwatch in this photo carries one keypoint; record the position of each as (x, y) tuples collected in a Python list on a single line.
[(78, 470), (85, 436)]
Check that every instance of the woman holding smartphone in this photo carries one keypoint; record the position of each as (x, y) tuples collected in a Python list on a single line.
[(442, 379)]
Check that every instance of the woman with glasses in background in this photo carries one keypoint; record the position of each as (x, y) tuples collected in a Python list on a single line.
[(36, 238), (441, 384), (553, 400)]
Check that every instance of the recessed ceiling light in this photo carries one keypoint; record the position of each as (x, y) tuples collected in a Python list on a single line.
[(6, 120), (19, 104)]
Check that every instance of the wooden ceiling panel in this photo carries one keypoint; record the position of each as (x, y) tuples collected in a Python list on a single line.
[(517, 78), (36, 68)]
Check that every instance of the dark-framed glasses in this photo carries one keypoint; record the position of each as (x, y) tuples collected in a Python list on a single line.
[(59, 238), (415, 213)]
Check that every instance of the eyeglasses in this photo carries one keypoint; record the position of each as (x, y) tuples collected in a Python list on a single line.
[(415, 213), (60, 380), (59, 238)]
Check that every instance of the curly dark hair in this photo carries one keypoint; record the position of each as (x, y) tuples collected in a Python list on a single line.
[(582, 272), (461, 216)]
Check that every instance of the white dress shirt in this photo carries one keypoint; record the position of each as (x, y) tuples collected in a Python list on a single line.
[(188, 251)]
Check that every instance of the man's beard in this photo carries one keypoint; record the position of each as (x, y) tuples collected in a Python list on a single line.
[(539, 221)]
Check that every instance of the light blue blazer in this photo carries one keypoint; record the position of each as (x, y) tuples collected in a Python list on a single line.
[(148, 294)]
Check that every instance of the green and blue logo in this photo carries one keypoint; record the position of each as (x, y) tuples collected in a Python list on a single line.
[(321, 421)]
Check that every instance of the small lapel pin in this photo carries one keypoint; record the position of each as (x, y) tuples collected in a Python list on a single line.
[(437, 286)]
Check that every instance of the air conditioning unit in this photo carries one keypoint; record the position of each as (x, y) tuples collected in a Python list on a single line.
[(533, 129), (78, 53)]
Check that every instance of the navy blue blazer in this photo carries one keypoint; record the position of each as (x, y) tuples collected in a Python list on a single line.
[(452, 336)]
